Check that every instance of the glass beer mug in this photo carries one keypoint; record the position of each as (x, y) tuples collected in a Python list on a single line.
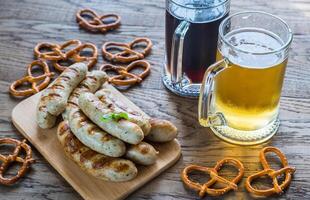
[(191, 42), (240, 93)]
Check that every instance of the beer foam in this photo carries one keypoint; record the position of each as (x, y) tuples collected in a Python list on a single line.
[(253, 48)]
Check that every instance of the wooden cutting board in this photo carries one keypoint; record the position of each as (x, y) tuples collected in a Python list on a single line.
[(46, 142)]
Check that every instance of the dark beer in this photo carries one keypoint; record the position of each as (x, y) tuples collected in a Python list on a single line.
[(200, 45)]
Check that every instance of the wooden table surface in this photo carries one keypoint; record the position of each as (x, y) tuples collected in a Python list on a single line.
[(25, 23)]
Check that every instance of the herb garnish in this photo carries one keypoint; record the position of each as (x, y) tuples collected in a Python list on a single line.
[(114, 116)]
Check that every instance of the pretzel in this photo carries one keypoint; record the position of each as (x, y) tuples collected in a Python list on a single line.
[(273, 174), (126, 52), (96, 24), (35, 81), (7, 160), (206, 187), (56, 51), (75, 55), (124, 72)]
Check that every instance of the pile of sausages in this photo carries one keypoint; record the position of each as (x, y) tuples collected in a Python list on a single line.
[(109, 149)]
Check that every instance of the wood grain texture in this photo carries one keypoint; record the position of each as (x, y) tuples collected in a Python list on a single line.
[(24, 23)]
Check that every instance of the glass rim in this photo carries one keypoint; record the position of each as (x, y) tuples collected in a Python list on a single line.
[(283, 46), (203, 7)]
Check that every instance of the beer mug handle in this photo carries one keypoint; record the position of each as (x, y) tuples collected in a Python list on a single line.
[(208, 117), (177, 51)]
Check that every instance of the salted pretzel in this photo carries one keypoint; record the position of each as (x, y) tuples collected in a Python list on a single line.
[(56, 51), (206, 187), (97, 24), (126, 51), (77, 57), (124, 77), (37, 82), (273, 174), (7, 160)]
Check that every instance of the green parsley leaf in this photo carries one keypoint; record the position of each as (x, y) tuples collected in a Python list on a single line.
[(114, 116)]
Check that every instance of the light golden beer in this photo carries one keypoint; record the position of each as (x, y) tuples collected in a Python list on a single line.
[(247, 93)]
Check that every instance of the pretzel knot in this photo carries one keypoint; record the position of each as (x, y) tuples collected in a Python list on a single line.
[(56, 52), (37, 82), (206, 187), (96, 22), (273, 174), (124, 77), (7, 160), (66, 52), (126, 51), (75, 55)]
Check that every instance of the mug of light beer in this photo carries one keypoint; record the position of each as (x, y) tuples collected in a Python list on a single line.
[(240, 93)]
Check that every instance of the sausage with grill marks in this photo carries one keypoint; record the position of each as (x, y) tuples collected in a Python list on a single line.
[(123, 129), (53, 100), (95, 164), (93, 137), (106, 96)]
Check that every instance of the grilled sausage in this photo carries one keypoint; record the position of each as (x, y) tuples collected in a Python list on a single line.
[(162, 131), (60, 90), (93, 137), (91, 83), (95, 164), (123, 129), (106, 96), (142, 153), (54, 99)]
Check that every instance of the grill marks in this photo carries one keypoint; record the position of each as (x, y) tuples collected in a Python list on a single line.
[(82, 119), (74, 71), (144, 149), (73, 104), (63, 129), (101, 162), (120, 167), (92, 77), (108, 96), (52, 95), (106, 138), (74, 95), (65, 78), (87, 155), (92, 129), (72, 144), (86, 86), (57, 86)]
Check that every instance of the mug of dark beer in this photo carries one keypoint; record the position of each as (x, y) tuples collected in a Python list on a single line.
[(191, 42)]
